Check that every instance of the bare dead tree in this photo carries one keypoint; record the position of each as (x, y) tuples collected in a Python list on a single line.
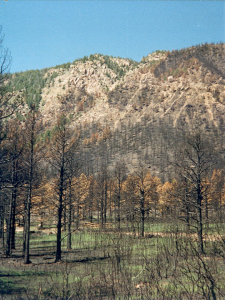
[(13, 175), (59, 157), (102, 188), (8, 105), (120, 172), (194, 165), (32, 158)]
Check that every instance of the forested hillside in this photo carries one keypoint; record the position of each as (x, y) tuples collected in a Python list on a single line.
[(139, 105)]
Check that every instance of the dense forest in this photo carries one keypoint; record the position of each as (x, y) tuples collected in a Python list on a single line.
[(134, 211)]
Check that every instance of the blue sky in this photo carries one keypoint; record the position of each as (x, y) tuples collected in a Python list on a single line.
[(43, 33)]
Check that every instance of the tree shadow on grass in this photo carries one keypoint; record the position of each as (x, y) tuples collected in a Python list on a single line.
[(87, 259), (9, 287), (12, 284)]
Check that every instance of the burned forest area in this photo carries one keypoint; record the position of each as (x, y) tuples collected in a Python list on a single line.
[(112, 178)]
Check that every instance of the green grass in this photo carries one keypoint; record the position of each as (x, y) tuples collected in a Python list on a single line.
[(43, 239), (111, 264), (14, 282)]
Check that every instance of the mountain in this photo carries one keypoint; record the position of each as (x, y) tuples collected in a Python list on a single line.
[(134, 111)]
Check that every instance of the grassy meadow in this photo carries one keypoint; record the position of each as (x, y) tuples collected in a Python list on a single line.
[(106, 263)]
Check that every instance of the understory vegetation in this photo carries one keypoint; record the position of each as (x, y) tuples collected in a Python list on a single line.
[(110, 264)]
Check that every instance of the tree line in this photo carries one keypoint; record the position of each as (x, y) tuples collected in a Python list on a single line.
[(40, 176)]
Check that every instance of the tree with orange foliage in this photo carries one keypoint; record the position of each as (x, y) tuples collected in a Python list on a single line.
[(82, 196), (131, 196), (90, 197), (148, 193), (167, 198), (153, 187), (176, 200)]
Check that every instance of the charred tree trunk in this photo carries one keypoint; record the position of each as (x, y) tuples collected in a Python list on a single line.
[(13, 229), (60, 210), (14, 197), (102, 208), (142, 210), (199, 219), (78, 212), (27, 232), (8, 229), (30, 188), (1, 221), (118, 213), (105, 200), (187, 206), (69, 218), (188, 217)]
